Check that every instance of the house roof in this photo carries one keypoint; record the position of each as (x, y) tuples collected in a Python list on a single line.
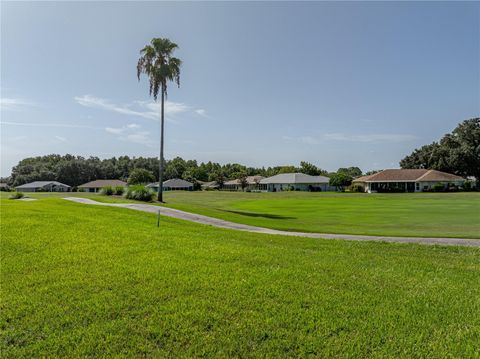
[(3, 185), (211, 184), (173, 183), (409, 175), (40, 184), (103, 183), (250, 180), (294, 178)]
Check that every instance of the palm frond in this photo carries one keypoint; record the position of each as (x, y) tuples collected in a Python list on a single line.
[(158, 63)]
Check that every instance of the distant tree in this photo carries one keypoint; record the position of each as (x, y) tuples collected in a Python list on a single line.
[(352, 171), (158, 63), (372, 172), (340, 180), (242, 179), (457, 152), (218, 177), (140, 176), (287, 169)]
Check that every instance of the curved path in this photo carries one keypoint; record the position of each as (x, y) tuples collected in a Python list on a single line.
[(198, 218)]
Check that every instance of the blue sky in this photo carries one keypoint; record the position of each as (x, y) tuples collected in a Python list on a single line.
[(336, 84)]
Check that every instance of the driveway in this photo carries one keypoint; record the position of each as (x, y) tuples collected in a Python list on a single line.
[(215, 222)]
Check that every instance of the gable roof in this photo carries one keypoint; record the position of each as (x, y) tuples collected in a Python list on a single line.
[(409, 175), (173, 183), (293, 178), (250, 180), (103, 183), (40, 184)]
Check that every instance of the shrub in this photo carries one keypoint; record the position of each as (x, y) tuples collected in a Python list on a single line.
[(107, 191), (358, 188), (438, 187), (17, 195), (140, 193), (118, 190)]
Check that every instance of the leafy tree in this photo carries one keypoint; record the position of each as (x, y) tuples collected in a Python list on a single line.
[(457, 152), (158, 63), (140, 176), (352, 171), (311, 169), (287, 169), (340, 180)]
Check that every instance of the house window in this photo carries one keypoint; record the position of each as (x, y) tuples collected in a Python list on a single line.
[(417, 186)]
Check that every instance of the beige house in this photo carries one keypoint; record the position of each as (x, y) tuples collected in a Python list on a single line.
[(407, 180), (252, 184), (97, 185)]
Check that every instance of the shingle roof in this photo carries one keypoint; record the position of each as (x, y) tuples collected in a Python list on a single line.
[(173, 183), (250, 180), (103, 183), (434, 175), (292, 178), (409, 175), (39, 184)]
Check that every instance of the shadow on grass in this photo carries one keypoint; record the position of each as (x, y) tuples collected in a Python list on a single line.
[(254, 214)]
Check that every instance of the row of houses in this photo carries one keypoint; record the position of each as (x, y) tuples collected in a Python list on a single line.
[(406, 180)]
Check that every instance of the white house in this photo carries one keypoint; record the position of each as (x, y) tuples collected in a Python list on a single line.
[(43, 186), (295, 182), (174, 184), (407, 180)]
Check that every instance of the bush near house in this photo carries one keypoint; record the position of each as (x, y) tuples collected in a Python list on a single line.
[(119, 190), (107, 191), (140, 193)]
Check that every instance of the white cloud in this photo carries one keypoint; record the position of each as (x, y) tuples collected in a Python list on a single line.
[(144, 109), (14, 103), (201, 112), (131, 133), (61, 139)]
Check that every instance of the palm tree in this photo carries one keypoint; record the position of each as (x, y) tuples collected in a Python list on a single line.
[(158, 63)]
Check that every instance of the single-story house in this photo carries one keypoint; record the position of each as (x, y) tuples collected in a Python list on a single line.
[(296, 182), (174, 184), (43, 186), (252, 184), (97, 185), (407, 180)]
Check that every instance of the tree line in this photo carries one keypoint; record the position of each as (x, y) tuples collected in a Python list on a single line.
[(76, 170), (457, 152)]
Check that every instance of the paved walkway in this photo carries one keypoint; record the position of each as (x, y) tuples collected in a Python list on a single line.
[(198, 218)]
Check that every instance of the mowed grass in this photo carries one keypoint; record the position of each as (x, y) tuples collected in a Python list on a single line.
[(81, 280), (415, 214)]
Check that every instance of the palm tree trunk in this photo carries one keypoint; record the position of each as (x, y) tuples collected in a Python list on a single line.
[(160, 167)]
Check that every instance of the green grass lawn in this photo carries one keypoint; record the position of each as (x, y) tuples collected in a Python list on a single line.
[(81, 280), (415, 214)]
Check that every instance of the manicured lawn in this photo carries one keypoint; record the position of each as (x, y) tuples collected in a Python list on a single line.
[(83, 280), (416, 214)]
